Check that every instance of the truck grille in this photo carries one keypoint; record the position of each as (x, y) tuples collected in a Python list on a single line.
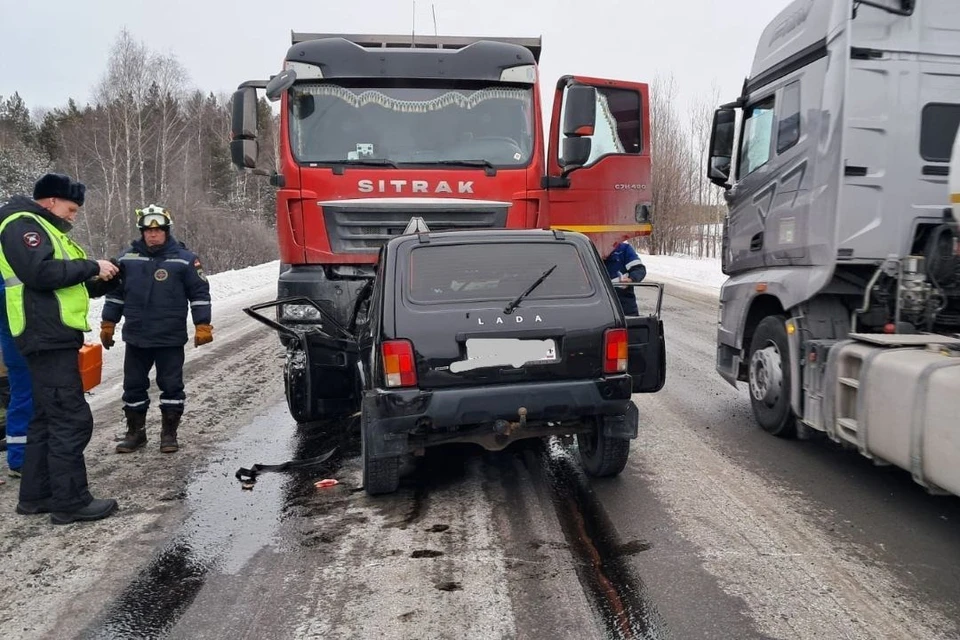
[(355, 230)]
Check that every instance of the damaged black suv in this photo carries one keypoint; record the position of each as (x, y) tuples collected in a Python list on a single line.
[(494, 336)]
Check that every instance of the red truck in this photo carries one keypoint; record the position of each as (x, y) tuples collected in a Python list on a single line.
[(376, 130)]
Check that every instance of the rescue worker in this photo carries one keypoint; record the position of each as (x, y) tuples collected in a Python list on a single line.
[(160, 279), (19, 405), (624, 265), (49, 282)]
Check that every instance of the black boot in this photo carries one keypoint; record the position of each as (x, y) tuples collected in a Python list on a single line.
[(136, 432), (96, 510), (168, 431)]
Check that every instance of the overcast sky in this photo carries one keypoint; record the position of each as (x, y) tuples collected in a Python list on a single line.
[(58, 49)]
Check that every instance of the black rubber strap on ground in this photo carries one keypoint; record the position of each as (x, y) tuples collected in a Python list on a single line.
[(249, 476)]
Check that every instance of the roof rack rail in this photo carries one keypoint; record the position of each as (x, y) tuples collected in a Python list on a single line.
[(408, 41)]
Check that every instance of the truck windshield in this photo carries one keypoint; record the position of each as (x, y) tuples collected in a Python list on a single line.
[(486, 272), (330, 123)]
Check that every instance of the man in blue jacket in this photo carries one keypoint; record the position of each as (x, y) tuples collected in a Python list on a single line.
[(624, 265), (161, 280)]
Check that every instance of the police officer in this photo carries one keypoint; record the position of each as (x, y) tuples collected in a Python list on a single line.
[(160, 279), (49, 282), (624, 265)]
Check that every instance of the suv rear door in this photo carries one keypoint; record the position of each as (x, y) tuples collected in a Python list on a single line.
[(452, 302), (647, 348)]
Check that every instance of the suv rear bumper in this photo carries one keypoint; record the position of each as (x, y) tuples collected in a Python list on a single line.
[(452, 413)]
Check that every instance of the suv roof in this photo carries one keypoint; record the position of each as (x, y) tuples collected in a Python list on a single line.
[(487, 235)]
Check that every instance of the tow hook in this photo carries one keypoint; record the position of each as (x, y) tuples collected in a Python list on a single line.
[(505, 427)]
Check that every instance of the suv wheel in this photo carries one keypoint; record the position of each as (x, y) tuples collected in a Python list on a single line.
[(601, 455), (381, 475)]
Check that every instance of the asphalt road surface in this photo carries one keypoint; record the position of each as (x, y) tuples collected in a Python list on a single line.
[(715, 530)]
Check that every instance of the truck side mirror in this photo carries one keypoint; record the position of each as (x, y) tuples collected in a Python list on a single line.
[(579, 120), (280, 83), (243, 130), (721, 147)]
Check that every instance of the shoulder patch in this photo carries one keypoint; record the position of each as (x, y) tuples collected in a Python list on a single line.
[(199, 268), (31, 239)]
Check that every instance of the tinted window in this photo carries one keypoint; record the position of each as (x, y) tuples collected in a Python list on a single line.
[(757, 131), (788, 133), (475, 272), (937, 131)]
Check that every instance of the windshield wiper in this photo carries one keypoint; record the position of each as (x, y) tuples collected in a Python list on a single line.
[(375, 162), (491, 169), (516, 301)]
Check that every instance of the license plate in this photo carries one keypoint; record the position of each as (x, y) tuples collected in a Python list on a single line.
[(502, 352)]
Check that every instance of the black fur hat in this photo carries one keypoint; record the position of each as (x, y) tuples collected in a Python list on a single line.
[(57, 185)]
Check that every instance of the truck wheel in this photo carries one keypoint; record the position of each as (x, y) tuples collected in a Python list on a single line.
[(770, 378), (298, 396), (381, 475), (600, 455)]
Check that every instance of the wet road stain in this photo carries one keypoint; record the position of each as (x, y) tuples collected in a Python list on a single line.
[(618, 596), (449, 586), (439, 528), (426, 553), (634, 547), (227, 525)]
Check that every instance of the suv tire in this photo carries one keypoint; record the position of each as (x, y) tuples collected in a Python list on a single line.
[(381, 475), (600, 455)]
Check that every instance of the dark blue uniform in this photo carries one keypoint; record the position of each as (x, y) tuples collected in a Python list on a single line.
[(624, 261), (158, 288)]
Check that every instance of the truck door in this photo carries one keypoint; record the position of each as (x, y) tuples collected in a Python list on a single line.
[(598, 165), (756, 187), (646, 346)]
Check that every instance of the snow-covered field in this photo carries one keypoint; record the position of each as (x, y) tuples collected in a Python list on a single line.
[(703, 274)]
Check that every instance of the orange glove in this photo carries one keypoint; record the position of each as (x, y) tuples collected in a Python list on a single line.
[(203, 335), (106, 333)]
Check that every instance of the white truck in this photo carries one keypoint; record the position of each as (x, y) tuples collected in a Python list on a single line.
[(842, 307)]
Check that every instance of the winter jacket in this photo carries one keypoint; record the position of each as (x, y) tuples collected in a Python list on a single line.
[(28, 249), (624, 261), (158, 286)]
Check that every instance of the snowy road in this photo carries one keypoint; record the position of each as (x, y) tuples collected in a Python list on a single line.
[(715, 530)]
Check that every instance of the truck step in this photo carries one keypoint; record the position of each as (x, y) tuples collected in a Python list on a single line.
[(850, 382), (848, 424)]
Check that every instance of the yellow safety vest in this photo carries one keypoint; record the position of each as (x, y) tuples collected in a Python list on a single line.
[(74, 300)]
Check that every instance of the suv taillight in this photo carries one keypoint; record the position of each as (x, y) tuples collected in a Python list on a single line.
[(615, 351), (398, 364)]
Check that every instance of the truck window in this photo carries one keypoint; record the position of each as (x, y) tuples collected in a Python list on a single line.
[(788, 132), (619, 123), (483, 272), (937, 130), (332, 123), (757, 131)]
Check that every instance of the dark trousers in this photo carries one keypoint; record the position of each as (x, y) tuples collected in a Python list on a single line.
[(53, 465), (137, 363), (628, 301)]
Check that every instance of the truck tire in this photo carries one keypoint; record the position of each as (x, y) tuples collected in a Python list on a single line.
[(602, 456), (381, 475), (769, 378), (298, 396)]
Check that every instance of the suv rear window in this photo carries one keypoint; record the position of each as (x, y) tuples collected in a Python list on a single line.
[(477, 272)]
